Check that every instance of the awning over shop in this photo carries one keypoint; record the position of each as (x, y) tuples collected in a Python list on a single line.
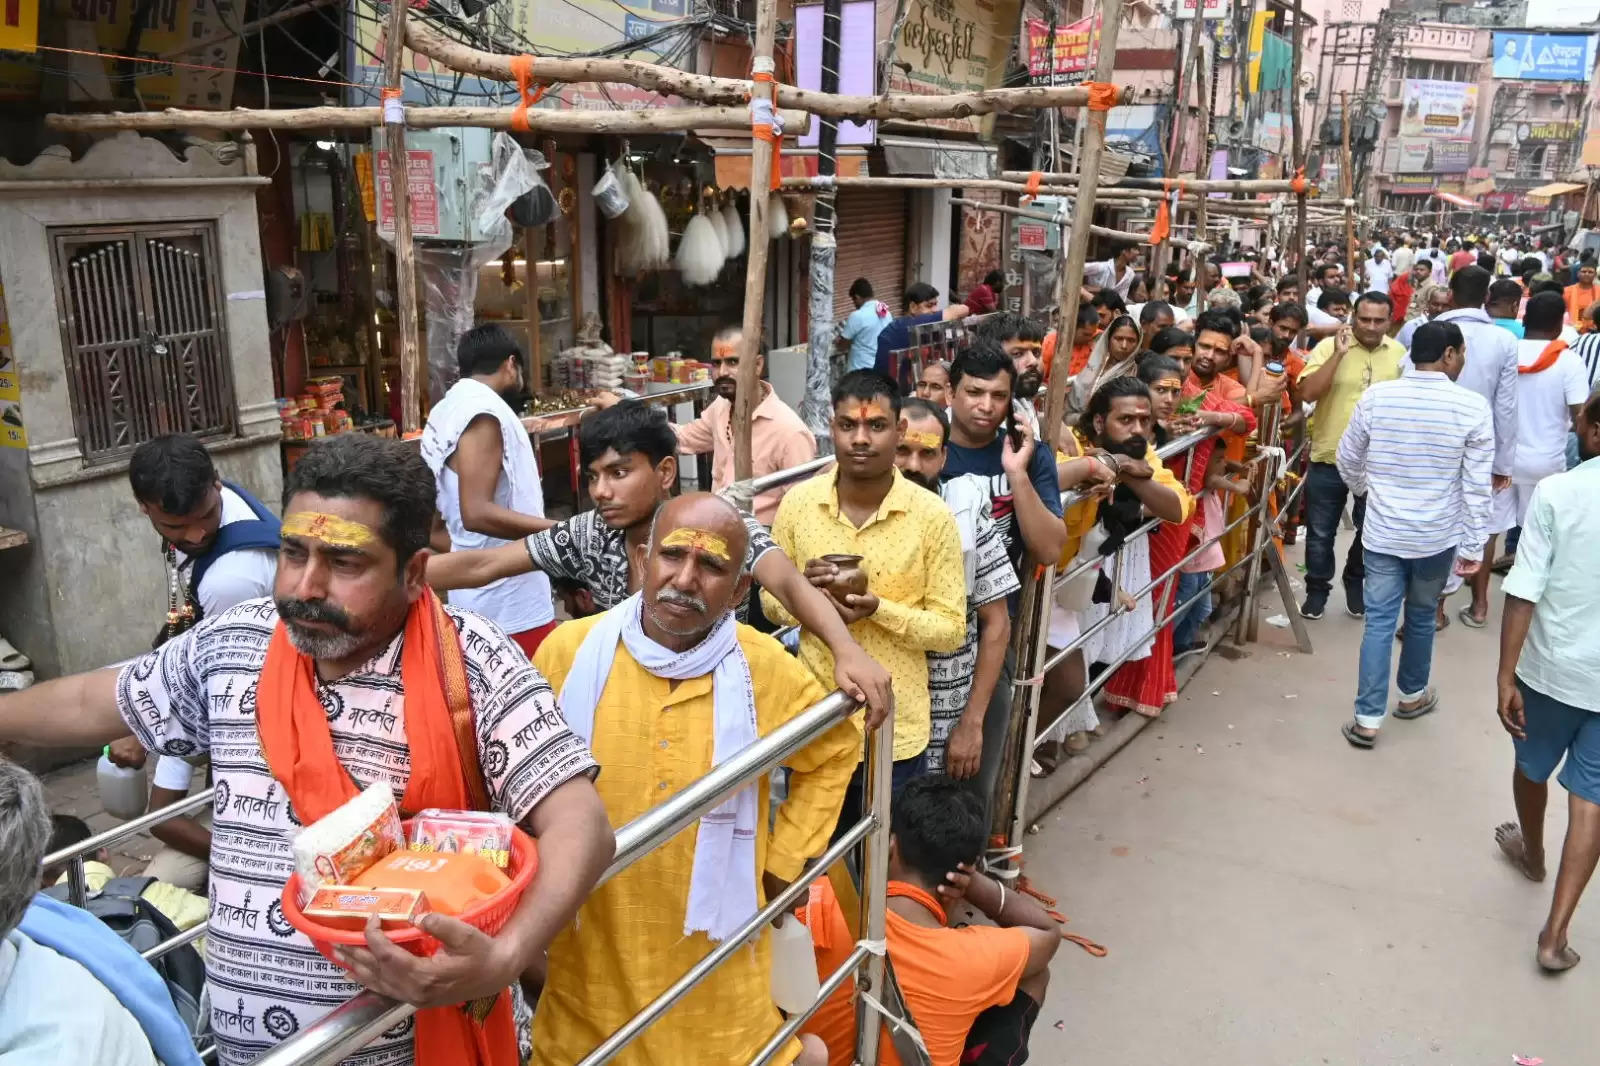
[(927, 158), (1459, 201), (1555, 188), (733, 162)]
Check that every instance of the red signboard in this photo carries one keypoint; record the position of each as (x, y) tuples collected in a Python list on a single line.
[(1074, 51), (1032, 237), (424, 193)]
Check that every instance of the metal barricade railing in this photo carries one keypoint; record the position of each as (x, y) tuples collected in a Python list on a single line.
[(353, 1025), (78, 889)]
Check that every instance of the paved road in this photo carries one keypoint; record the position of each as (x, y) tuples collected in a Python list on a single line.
[(1270, 895)]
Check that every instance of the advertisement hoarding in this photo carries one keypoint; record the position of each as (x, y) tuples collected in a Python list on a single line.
[(1074, 51), (1426, 155), (1542, 56), (953, 46), (1438, 108)]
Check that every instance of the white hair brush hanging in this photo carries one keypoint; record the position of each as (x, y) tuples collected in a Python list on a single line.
[(657, 244), (700, 252), (735, 228), (777, 217)]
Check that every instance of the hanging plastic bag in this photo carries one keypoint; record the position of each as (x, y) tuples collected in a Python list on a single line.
[(609, 196)]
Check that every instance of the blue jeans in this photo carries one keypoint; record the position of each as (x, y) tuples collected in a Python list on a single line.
[(1393, 582), (1186, 626), (903, 770), (1326, 493)]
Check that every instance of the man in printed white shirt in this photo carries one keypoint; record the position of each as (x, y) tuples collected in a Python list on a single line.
[(968, 689), (346, 678), (488, 487), (1420, 448), (1549, 682)]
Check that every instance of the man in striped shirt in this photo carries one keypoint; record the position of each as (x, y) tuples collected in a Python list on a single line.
[(1422, 450)]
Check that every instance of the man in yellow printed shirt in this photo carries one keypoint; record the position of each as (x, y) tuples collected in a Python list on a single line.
[(664, 686), (916, 597)]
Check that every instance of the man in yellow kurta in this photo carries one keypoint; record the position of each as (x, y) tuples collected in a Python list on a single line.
[(666, 685), (916, 597)]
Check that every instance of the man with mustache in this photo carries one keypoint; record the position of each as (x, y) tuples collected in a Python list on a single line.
[(351, 676), (629, 456), (1023, 340), (665, 686), (967, 699), (915, 601), (778, 439), (489, 492)]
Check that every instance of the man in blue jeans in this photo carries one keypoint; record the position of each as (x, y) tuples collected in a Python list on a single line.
[(1549, 682), (1421, 449)]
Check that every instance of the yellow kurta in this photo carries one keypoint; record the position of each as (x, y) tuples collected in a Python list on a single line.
[(911, 552), (653, 738), (1081, 516)]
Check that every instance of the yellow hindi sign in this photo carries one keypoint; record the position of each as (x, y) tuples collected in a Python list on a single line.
[(19, 25)]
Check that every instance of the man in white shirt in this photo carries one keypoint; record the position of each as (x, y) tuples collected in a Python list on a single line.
[(1116, 273), (1379, 271), (1420, 449), (1551, 388), (1491, 372), (1549, 682), (221, 548), (487, 480), (1404, 256)]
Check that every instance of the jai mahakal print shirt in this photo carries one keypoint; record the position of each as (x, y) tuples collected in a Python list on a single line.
[(198, 693), (586, 550)]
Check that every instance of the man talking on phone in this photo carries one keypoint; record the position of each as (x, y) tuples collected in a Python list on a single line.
[(1338, 371)]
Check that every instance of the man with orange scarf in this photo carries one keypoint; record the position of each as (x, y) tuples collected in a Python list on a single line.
[(353, 674), (1580, 296)]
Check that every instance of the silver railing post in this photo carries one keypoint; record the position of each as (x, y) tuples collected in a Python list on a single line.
[(879, 784), (1266, 481)]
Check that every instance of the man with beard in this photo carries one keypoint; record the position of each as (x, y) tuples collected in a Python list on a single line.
[(1287, 321), (666, 686), (1023, 340), (1405, 286), (778, 439), (1337, 372), (351, 677), (967, 697), (1549, 681), (915, 600), (1154, 316), (629, 457), (986, 440), (489, 491)]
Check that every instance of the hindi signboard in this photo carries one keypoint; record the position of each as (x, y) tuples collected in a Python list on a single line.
[(1074, 53), (1438, 108), (1542, 56)]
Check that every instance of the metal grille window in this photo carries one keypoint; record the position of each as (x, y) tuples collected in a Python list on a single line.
[(142, 325)]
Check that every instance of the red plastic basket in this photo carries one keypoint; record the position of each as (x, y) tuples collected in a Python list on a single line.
[(490, 916)]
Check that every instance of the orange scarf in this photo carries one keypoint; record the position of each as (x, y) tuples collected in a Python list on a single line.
[(1547, 358), (298, 747)]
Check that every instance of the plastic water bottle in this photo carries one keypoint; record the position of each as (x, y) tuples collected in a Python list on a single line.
[(795, 984), (124, 791)]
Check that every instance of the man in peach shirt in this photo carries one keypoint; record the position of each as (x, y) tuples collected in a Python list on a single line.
[(778, 439)]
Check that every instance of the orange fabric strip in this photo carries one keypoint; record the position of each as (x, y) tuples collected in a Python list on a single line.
[(1103, 95), (298, 747), (1030, 190), (1300, 184), (1547, 358), (766, 132), (522, 67)]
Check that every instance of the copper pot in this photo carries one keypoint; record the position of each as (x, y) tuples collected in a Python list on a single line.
[(850, 580)]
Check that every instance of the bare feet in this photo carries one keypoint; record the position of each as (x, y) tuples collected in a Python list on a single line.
[(1509, 836), (1556, 959)]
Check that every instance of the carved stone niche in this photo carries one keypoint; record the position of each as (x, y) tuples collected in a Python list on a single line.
[(128, 155)]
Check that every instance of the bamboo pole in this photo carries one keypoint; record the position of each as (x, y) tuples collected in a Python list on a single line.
[(620, 123), (1202, 161), (1012, 787), (1060, 187), (1299, 151), (1347, 185), (1227, 185), (705, 88), (405, 262), (755, 280), (1098, 231), (816, 403)]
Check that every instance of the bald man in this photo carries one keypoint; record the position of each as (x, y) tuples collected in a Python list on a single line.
[(666, 685)]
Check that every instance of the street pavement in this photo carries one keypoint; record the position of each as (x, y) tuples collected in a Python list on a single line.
[(1270, 895)]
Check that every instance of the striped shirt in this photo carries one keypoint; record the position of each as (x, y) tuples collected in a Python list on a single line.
[(1421, 449), (1588, 349)]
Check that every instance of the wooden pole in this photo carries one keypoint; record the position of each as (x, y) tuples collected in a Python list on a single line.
[(530, 297), (1299, 151), (620, 123), (1227, 185), (1098, 231), (1202, 163), (1011, 790), (755, 281), (1347, 184), (405, 261), (816, 402), (704, 88)]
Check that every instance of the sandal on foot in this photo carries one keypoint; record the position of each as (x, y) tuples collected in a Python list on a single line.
[(1357, 738), (1429, 704), (1469, 619)]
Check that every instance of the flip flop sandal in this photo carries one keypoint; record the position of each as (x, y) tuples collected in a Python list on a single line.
[(1357, 739), (1429, 704), (1465, 614)]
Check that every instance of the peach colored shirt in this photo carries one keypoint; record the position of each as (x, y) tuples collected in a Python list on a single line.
[(778, 440)]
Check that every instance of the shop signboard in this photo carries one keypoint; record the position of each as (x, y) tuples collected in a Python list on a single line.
[(1076, 44), (1555, 131), (1509, 201), (952, 46), (1212, 9), (1542, 56), (19, 25), (1412, 184), (1438, 108), (1425, 155)]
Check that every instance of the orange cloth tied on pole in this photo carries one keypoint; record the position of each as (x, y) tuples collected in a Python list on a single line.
[(1103, 95), (1547, 358), (1161, 229), (298, 747), (1299, 183), (522, 67), (1030, 188), (764, 121)]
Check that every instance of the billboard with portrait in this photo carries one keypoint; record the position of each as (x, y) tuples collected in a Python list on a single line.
[(1438, 108), (1542, 56)]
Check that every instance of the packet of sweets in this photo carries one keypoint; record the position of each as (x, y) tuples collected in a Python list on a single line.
[(484, 833), (335, 848)]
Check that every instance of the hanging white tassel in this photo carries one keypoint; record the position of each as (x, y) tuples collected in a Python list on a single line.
[(657, 244), (735, 227), (630, 227), (700, 255), (777, 218), (721, 227)]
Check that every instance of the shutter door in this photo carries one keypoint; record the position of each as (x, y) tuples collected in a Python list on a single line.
[(870, 228)]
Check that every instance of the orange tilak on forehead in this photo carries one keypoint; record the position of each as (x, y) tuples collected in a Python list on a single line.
[(332, 530), (923, 439), (724, 349), (700, 540), (863, 410)]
